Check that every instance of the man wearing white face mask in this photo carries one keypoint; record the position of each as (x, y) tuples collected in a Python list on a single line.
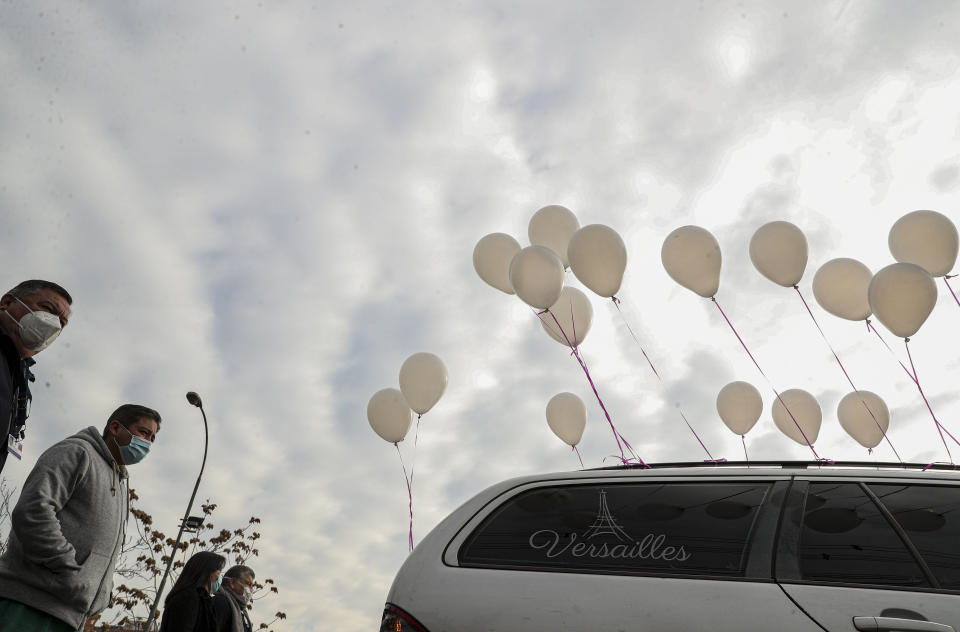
[(231, 601), (32, 315)]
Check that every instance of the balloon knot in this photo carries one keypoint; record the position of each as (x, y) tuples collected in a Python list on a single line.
[(906, 340), (615, 300), (713, 298), (796, 287), (546, 311)]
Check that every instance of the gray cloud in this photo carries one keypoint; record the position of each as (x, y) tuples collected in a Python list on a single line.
[(275, 206)]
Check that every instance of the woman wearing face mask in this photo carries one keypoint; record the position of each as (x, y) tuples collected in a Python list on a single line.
[(189, 606)]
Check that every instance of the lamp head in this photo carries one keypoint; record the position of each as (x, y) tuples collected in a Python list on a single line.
[(194, 399)]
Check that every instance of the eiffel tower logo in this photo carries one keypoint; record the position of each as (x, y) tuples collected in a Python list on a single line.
[(605, 523)]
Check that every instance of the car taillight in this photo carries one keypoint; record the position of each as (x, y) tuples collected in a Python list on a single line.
[(396, 620)]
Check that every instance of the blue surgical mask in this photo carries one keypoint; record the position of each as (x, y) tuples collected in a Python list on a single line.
[(215, 586), (136, 450)]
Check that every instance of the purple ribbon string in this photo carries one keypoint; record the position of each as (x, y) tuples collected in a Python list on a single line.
[(416, 438), (952, 293), (929, 465), (916, 380), (409, 495), (616, 303), (844, 369), (578, 456), (756, 364), (583, 365), (870, 327)]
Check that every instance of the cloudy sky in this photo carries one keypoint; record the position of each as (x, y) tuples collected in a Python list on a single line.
[(274, 204)]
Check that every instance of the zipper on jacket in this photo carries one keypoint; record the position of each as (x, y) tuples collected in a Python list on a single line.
[(118, 545)]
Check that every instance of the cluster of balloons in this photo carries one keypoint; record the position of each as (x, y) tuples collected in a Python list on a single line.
[(901, 295), (739, 405), (595, 254), (423, 379)]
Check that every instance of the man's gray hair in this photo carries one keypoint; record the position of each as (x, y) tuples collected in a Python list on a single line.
[(35, 285), (239, 572)]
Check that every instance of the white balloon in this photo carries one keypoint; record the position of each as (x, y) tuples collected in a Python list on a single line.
[(927, 239), (389, 415), (552, 227), (567, 417), (778, 250), (423, 379), (691, 256), (806, 411), (491, 259), (740, 406), (573, 312), (598, 257), (902, 295), (857, 420), (841, 286), (537, 276)]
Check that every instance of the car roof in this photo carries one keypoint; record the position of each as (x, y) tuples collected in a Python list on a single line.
[(730, 469)]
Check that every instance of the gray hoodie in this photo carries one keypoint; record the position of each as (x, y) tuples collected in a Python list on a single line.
[(67, 530)]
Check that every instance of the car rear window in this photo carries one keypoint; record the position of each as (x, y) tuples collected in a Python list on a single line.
[(676, 528), (930, 516)]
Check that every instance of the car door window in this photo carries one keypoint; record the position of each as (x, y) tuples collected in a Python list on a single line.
[(930, 516), (845, 538), (681, 528)]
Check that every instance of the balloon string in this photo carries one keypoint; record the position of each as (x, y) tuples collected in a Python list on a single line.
[(416, 437), (756, 364), (913, 378), (916, 380), (409, 495), (663, 386), (847, 375), (586, 371), (870, 327), (745, 455), (578, 456), (952, 293), (576, 354)]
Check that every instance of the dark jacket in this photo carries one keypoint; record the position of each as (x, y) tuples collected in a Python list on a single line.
[(12, 386), (189, 610), (230, 611), (66, 530)]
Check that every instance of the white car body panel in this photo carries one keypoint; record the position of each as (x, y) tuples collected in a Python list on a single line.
[(444, 596)]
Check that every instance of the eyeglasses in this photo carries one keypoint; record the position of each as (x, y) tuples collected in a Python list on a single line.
[(245, 584)]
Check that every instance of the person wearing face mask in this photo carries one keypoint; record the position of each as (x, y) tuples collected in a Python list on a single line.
[(68, 526), (233, 598), (32, 315), (189, 606)]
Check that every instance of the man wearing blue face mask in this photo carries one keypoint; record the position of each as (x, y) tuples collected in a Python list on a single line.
[(32, 315), (68, 526)]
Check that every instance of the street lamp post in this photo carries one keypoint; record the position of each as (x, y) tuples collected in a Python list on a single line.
[(194, 399)]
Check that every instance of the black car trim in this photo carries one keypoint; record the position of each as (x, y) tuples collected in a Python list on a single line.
[(903, 535)]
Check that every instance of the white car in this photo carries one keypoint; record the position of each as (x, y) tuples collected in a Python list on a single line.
[(789, 547)]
